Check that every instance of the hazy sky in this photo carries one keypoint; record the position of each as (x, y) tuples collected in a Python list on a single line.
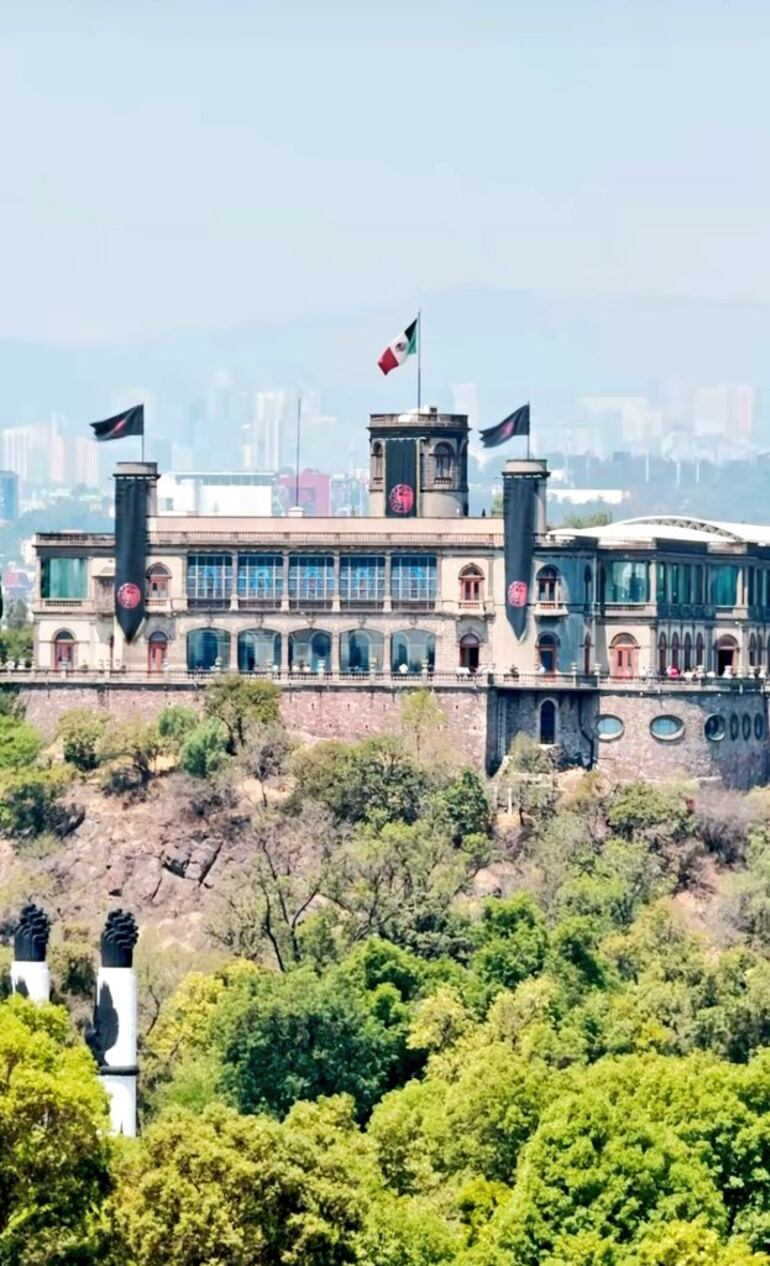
[(169, 165)]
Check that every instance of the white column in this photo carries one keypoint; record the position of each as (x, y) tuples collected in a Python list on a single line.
[(29, 970), (117, 1009)]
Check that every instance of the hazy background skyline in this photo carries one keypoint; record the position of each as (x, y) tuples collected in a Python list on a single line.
[(577, 194)]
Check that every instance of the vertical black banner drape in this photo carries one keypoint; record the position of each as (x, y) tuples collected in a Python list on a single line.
[(130, 553), (401, 479), (519, 506)]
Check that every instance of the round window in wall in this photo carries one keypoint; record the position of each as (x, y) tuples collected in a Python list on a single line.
[(666, 728), (746, 725), (735, 726), (759, 726), (609, 727), (715, 728)]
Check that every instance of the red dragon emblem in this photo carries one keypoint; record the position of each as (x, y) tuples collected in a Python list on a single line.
[(401, 498), (517, 593), (129, 596)]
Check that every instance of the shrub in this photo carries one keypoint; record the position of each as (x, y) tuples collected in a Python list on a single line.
[(205, 751), (81, 731), (175, 725), (19, 743), (28, 799), (240, 704)]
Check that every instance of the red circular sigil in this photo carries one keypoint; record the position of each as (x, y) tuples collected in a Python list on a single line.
[(129, 596), (517, 593), (401, 498)]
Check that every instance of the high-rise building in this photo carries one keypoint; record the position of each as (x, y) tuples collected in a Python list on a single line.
[(9, 496), (262, 435)]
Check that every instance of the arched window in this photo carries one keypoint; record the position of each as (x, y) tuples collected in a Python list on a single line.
[(64, 649), (700, 651), (548, 722), (687, 653), (442, 457), (410, 649), (207, 649), (662, 660), (753, 651), (624, 656), (587, 655), (726, 656), (157, 650), (547, 584), (547, 652), (588, 586), (471, 585), (675, 651), (469, 652), (259, 650), (158, 581), (760, 651), (310, 650), (361, 651), (377, 461)]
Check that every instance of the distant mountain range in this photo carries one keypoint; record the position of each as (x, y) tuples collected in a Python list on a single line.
[(547, 347)]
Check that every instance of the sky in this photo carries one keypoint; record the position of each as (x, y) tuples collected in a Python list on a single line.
[(169, 167)]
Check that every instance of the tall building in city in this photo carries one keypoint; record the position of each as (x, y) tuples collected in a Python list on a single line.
[(725, 411), (9, 496), (263, 436)]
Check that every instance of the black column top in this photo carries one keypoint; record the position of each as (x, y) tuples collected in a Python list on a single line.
[(30, 939), (118, 939)]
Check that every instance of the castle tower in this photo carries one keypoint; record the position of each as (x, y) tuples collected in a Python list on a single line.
[(418, 464), (528, 474)]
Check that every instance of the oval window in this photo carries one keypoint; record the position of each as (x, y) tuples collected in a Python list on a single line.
[(759, 726), (667, 728), (746, 725), (735, 726), (609, 727), (715, 728)]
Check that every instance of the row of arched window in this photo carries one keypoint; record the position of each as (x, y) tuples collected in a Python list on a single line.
[(442, 458)]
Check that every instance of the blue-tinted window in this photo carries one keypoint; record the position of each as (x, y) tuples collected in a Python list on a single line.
[(666, 728), (260, 576), (259, 650), (311, 577), (361, 651), (411, 649), (724, 585), (64, 578), (208, 648), (362, 578), (627, 582), (209, 576), (413, 578), (309, 650)]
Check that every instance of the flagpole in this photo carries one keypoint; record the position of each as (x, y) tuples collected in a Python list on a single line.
[(299, 421), (529, 428), (419, 358)]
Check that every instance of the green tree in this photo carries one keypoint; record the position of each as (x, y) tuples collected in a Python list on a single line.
[(54, 1153), (265, 754), (20, 744), (462, 806), (176, 724), (513, 942), (81, 731), (204, 751), (240, 704), (136, 743), (29, 800)]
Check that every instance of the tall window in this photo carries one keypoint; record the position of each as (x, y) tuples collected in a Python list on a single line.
[(724, 585), (627, 582), (700, 651), (259, 650), (209, 577), (662, 660), (64, 649), (588, 586), (377, 462), (311, 579), (309, 649), (547, 652), (471, 585), (687, 652), (260, 577), (64, 578), (361, 651), (675, 651), (207, 649), (413, 579), (753, 651), (442, 456), (411, 649), (362, 579), (547, 584), (697, 583), (661, 582), (158, 581)]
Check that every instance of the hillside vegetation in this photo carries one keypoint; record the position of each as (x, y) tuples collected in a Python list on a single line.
[(411, 1031)]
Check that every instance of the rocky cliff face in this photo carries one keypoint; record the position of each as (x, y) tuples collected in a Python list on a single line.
[(162, 857)]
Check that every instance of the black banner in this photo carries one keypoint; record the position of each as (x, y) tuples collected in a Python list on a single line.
[(401, 479), (130, 553), (519, 507), (122, 424)]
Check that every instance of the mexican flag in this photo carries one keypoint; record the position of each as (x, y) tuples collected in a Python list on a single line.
[(396, 352)]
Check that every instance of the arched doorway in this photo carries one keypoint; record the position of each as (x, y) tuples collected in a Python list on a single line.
[(547, 652), (157, 650), (469, 652), (587, 655), (64, 650), (624, 656), (411, 649), (259, 651), (361, 651), (726, 656), (548, 722)]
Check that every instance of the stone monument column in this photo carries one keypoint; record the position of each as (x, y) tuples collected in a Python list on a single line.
[(29, 970), (113, 1034)]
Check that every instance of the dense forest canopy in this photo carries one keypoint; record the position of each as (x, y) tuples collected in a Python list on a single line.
[(425, 1033)]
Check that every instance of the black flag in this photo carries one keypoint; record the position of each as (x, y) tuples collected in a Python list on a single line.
[(400, 479), (129, 423), (130, 553), (519, 514), (517, 423)]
